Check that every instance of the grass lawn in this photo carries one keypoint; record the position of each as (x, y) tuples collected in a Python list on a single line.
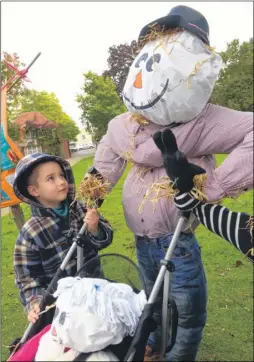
[(228, 335)]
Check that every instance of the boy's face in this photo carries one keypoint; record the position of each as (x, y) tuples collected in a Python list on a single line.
[(48, 184)]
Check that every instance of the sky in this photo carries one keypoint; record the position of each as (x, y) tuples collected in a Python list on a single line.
[(74, 37)]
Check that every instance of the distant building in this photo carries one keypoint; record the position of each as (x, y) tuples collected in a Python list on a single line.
[(28, 142), (83, 137)]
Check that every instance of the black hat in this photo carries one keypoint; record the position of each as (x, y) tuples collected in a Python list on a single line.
[(182, 17)]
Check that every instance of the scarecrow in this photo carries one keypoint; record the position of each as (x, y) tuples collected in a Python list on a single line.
[(169, 86)]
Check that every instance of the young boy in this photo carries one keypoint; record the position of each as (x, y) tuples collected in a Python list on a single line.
[(47, 184)]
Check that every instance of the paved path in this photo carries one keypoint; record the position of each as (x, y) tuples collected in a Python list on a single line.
[(75, 159), (79, 156)]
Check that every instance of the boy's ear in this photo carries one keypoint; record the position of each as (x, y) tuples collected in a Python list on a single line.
[(32, 190)]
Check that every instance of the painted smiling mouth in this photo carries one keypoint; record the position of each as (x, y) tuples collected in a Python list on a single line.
[(150, 104)]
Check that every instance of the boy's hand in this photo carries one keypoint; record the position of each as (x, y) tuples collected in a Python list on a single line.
[(33, 314), (92, 220)]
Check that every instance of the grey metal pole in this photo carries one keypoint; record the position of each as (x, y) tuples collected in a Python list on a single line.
[(80, 251), (27, 68), (80, 257), (163, 268), (165, 313)]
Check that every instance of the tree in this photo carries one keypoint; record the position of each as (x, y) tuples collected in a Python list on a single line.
[(68, 127), (48, 105), (234, 88), (99, 103), (119, 61), (13, 96)]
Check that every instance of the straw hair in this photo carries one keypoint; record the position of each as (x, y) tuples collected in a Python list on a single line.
[(92, 189), (165, 189), (139, 119), (250, 225), (157, 31)]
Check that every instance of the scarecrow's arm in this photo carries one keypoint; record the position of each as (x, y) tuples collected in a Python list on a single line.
[(116, 148), (107, 162), (234, 175), (218, 130), (235, 227), (227, 131), (28, 269)]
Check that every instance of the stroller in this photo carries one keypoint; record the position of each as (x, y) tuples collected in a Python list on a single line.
[(117, 268)]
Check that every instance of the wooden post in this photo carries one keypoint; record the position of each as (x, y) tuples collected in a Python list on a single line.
[(18, 216), (3, 106)]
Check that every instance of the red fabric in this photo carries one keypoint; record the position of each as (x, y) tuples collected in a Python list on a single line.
[(28, 351)]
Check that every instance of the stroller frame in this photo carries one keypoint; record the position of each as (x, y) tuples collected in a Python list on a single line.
[(164, 277)]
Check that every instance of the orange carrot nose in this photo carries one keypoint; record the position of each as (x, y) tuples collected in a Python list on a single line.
[(138, 80)]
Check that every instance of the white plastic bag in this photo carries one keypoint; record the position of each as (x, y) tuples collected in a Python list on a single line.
[(93, 313)]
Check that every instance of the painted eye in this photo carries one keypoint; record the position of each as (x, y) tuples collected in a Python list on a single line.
[(151, 61), (62, 318), (142, 58)]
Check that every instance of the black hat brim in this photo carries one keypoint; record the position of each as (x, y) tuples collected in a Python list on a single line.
[(172, 22)]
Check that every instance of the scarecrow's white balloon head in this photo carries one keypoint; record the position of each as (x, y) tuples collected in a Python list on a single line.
[(173, 76)]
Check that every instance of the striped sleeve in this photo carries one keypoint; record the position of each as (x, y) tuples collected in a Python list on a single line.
[(231, 226), (185, 202)]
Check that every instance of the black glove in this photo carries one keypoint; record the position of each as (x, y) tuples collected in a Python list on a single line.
[(179, 170)]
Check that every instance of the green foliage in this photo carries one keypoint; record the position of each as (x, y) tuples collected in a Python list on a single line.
[(119, 61), (99, 103), (20, 99), (234, 88), (48, 138), (69, 128), (13, 131), (43, 102), (48, 105)]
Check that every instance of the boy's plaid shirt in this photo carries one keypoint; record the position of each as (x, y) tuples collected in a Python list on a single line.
[(42, 245)]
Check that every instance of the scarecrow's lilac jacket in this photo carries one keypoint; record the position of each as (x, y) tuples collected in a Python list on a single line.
[(217, 130)]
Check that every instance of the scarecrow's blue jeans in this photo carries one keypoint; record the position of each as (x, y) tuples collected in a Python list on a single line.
[(188, 289)]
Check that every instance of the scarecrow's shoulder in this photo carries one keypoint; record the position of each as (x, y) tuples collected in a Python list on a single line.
[(216, 111), (123, 123)]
